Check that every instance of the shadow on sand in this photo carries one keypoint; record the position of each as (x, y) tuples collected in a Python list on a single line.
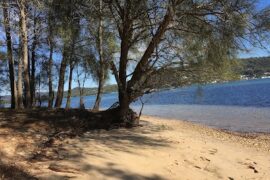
[(62, 136)]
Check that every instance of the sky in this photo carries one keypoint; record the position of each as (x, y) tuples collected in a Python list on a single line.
[(263, 3)]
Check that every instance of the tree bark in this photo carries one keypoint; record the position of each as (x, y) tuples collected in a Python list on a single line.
[(99, 93), (82, 106), (122, 90), (20, 87), (101, 74), (51, 46), (61, 82), (13, 87), (25, 53), (39, 94), (69, 86), (71, 67), (33, 64), (81, 93), (51, 96)]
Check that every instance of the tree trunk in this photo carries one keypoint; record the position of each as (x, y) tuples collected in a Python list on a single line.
[(61, 82), (13, 87), (20, 87), (101, 60), (122, 90), (51, 45), (82, 106), (33, 65), (99, 93), (141, 67), (25, 53), (69, 86), (81, 93), (123, 105), (39, 94), (51, 96)]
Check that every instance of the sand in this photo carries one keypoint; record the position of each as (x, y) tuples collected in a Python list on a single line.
[(159, 149)]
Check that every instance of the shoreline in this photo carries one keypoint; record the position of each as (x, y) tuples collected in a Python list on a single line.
[(228, 131), (252, 139)]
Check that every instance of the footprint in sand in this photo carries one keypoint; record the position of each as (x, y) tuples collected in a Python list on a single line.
[(250, 165), (192, 164), (204, 159), (253, 168), (213, 151)]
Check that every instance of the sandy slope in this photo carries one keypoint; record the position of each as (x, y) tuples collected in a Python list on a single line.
[(160, 149)]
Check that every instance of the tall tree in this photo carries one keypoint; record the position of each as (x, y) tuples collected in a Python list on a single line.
[(69, 24), (101, 73), (36, 33), (161, 27), (24, 43), (13, 86), (72, 61), (50, 40)]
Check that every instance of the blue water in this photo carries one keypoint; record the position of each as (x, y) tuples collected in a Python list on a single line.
[(254, 93), (237, 106)]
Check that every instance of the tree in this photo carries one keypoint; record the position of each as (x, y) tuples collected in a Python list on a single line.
[(51, 45), (24, 43), (101, 73), (72, 61), (102, 44), (36, 33), (13, 86), (161, 27), (69, 18), (81, 76), (71, 67)]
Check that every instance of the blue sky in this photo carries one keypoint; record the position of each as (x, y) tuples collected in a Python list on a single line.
[(263, 3)]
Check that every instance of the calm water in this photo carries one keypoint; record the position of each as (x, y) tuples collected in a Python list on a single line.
[(237, 106)]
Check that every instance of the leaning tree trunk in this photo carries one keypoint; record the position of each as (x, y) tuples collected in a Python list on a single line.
[(25, 53), (13, 87), (69, 85), (61, 82), (99, 93)]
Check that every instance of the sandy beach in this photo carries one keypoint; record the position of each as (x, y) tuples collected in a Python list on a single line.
[(158, 149)]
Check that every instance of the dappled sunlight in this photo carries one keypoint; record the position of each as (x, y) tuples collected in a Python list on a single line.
[(42, 143)]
